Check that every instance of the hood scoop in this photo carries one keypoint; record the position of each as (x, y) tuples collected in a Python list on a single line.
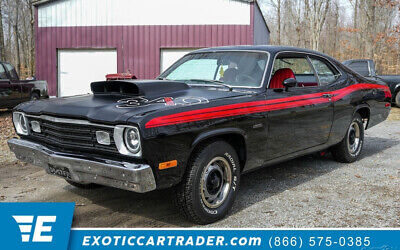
[(137, 88)]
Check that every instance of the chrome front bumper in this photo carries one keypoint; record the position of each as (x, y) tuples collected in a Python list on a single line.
[(133, 177)]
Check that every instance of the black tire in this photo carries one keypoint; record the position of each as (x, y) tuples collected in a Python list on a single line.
[(35, 96), (348, 150), (191, 199), (83, 186), (397, 99)]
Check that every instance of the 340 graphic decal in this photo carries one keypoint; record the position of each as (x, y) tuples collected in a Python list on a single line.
[(168, 101)]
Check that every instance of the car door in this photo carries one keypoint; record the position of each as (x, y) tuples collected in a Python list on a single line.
[(5, 89), (300, 117), (15, 85)]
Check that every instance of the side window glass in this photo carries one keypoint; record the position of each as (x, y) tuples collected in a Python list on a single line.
[(326, 74), (360, 67), (299, 67), (12, 72), (3, 74)]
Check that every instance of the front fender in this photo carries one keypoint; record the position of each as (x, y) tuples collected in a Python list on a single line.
[(177, 147), (237, 137), (217, 132)]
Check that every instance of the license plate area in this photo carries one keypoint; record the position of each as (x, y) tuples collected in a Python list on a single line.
[(60, 171)]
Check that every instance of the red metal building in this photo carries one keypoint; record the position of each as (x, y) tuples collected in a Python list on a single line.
[(80, 41)]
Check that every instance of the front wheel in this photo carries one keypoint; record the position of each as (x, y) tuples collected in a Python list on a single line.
[(211, 183), (349, 149)]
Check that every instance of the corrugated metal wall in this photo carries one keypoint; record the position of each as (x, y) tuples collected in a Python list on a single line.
[(138, 47), (72, 13)]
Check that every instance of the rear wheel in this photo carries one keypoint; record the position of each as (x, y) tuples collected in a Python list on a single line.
[(349, 149), (397, 99), (209, 187), (83, 185)]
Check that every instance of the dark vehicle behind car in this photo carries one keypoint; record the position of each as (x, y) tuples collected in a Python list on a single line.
[(14, 91), (366, 67)]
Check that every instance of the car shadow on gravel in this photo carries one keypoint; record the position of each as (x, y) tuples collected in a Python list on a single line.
[(269, 181), (156, 209)]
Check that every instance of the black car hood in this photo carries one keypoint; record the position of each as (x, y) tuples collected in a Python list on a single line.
[(127, 99)]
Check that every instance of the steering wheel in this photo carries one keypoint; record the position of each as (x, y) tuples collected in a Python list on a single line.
[(243, 78)]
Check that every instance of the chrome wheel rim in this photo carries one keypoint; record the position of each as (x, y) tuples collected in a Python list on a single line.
[(215, 183), (354, 138)]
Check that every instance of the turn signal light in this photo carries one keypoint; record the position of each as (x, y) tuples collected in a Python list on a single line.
[(35, 125), (168, 164), (103, 138)]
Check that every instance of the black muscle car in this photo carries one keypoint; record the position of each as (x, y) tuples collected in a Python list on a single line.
[(14, 91), (366, 68), (213, 115)]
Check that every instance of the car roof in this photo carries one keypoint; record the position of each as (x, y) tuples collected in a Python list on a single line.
[(357, 60), (273, 49)]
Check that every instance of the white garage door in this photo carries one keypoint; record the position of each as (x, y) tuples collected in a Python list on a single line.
[(170, 56), (78, 68)]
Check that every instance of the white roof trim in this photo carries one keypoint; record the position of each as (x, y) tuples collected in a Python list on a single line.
[(40, 2)]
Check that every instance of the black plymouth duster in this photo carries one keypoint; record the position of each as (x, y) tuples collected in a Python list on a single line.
[(213, 115)]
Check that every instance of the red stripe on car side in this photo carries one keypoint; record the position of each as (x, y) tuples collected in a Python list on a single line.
[(230, 108), (246, 104), (236, 112), (257, 106)]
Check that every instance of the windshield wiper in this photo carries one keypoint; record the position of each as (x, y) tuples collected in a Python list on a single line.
[(213, 81)]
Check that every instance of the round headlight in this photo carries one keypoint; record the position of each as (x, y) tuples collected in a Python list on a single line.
[(20, 123), (132, 140)]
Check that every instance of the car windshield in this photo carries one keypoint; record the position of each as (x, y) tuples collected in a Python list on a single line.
[(232, 69)]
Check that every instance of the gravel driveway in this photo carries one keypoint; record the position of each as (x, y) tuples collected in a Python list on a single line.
[(311, 191)]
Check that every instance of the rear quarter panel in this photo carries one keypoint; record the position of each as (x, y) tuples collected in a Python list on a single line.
[(373, 96)]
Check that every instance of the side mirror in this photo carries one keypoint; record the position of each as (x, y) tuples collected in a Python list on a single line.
[(289, 83)]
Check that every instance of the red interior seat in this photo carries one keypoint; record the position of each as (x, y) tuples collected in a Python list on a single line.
[(280, 76), (307, 84)]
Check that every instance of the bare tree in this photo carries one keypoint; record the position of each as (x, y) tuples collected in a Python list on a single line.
[(370, 11), (355, 15), (17, 34), (32, 36), (316, 12), (277, 5), (17, 42), (2, 45), (371, 29)]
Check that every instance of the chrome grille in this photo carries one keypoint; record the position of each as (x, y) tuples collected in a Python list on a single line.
[(65, 135)]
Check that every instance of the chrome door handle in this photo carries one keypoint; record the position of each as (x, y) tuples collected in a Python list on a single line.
[(327, 95)]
